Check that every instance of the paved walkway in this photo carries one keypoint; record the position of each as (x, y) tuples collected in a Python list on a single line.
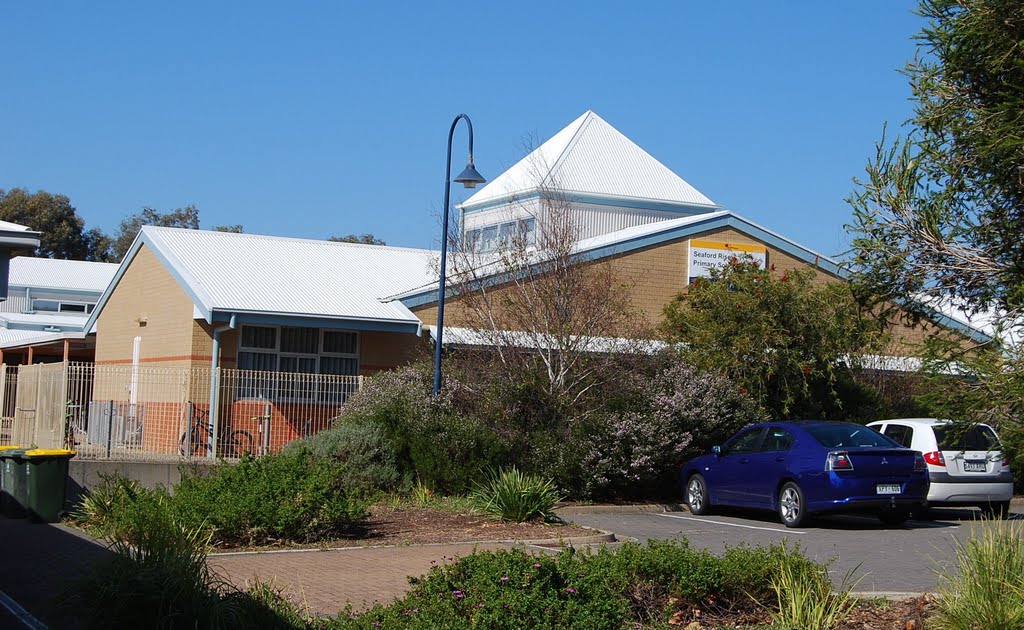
[(323, 582), (39, 561)]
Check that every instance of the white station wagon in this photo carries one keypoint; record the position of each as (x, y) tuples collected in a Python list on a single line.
[(965, 467)]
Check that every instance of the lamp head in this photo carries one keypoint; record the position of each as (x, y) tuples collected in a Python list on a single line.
[(469, 177)]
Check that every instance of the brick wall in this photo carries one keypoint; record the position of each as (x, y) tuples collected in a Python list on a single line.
[(148, 303)]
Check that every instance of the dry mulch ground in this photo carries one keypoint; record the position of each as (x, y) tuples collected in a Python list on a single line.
[(908, 614), (408, 525)]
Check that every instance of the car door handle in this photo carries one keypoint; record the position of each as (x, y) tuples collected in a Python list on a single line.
[(780, 458), (745, 460)]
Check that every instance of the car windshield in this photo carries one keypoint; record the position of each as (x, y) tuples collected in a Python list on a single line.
[(977, 438), (847, 436)]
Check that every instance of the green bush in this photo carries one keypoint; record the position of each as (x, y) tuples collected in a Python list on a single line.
[(366, 458), (515, 496), (293, 497), (986, 587), (636, 585), (805, 597), (158, 577)]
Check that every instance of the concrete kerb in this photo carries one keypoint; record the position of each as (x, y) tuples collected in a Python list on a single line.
[(603, 537), (645, 508)]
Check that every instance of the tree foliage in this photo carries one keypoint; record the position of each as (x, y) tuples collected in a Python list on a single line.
[(234, 228), (365, 239), (62, 231), (940, 215), (787, 341), (941, 212), (187, 217)]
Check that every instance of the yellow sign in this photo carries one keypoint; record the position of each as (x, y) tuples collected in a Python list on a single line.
[(708, 255)]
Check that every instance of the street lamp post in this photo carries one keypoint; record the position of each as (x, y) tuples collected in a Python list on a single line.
[(468, 178)]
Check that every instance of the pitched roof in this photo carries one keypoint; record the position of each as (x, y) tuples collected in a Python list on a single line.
[(49, 273), (250, 274), (592, 158)]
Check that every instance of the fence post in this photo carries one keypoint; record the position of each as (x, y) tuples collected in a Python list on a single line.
[(110, 426), (188, 433), (214, 414), (266, 429)]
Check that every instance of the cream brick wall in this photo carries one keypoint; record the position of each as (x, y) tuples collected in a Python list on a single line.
[(147, 293), (657, 274)]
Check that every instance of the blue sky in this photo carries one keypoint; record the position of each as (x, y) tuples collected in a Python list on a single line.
[(311, 119)]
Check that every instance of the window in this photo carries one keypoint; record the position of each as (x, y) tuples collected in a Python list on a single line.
[(977, 438), (489, 239), (472, 241), (745, 443), (57, 306), (298, 351), (841, 435), (777, 440), (901, 433)]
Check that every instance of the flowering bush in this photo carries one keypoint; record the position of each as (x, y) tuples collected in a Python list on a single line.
[(683, 412)]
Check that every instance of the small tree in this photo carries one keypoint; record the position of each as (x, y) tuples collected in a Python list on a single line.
[(365, 239), (782, 338), (187, 217), (544, 313)]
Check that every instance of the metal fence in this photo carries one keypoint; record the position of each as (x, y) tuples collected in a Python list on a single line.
[(138, 412)]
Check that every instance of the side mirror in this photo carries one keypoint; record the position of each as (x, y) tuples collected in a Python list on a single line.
[(717, 450)]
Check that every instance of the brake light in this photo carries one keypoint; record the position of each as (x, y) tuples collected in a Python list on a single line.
[(935, 458), (838, 460), (919, 463), (1006, 461)]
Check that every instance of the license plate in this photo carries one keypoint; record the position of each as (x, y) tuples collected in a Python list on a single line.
[(888, 488), (974, 466)]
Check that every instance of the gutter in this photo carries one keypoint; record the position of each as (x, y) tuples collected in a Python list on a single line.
[(214, 382)]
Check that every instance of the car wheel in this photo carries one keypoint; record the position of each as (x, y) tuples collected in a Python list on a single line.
[(996, 509), (894, 516), (792, 507), (697, 495)]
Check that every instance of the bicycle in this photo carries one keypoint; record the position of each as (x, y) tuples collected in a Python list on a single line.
[(74, 426), (197, 439)]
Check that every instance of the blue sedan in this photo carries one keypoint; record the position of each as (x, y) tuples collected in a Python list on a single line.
[(808, 467)]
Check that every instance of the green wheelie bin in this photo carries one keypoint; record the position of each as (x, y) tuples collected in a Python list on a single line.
[(10, 483), (45, 476)]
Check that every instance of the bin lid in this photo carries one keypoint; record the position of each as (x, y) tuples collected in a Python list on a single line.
[(10, 448), (48, 452)]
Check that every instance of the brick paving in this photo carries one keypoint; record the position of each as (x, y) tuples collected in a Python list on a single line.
[(323, 582)]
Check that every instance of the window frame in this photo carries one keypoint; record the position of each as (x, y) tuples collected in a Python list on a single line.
[(276, 395)]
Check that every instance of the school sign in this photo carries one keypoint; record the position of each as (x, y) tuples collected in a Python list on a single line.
[(708, 255)]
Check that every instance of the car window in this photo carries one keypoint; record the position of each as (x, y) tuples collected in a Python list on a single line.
[(777, 440), (901, 433), (847, 436), (976, 438), (744, 442)]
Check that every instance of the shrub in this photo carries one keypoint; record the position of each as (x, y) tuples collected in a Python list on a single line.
[(157, 579), (293, 497), (366, 457), (805, 598), (637, 453), (986, 588), (657, 584), (515, 496)]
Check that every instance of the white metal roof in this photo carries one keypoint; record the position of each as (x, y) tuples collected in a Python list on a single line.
[(7, 226), (593, 158), (277, 275), (457, 336), (16, 338), (49, 273), (15, 320)]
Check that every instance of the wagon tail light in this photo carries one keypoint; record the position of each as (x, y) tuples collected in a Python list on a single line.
[(919, 462), (935, 458), (838, 460), (1006, 461)]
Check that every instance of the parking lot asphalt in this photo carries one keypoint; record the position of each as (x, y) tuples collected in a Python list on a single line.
[(886, 559)]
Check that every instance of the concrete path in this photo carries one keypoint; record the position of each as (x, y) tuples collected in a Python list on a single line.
[(323, 582)]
